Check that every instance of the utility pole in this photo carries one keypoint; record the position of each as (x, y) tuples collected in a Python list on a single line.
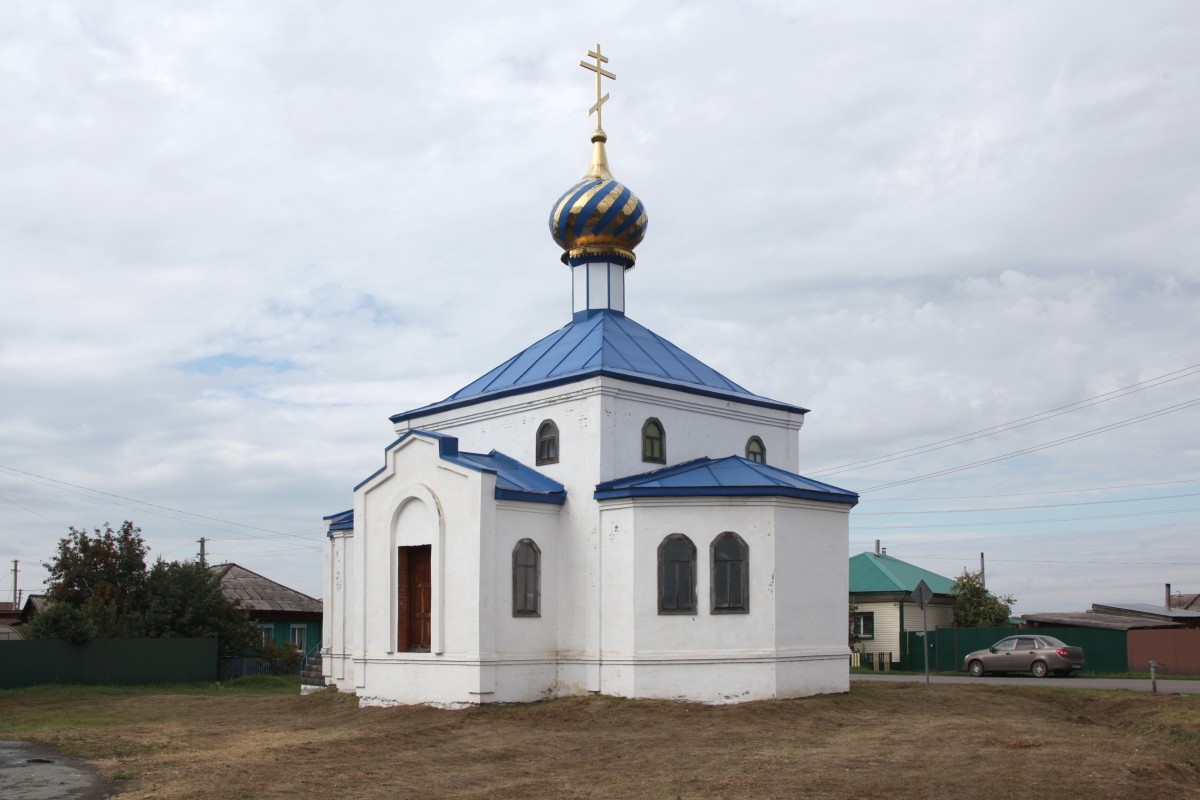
[(982, 573), (15, 563), (202, 541)]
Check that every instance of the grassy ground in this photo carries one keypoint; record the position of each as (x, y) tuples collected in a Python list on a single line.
[(260, 739)]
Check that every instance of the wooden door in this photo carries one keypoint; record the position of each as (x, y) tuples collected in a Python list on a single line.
[(415, 600)]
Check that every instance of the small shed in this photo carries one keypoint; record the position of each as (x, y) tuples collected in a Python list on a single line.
[(284, 614)]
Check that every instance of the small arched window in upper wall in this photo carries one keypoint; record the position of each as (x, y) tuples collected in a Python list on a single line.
[(756, 450), (547, 443), (527, 579), (654, 442)]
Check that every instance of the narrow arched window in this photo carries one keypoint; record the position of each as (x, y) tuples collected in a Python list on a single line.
[(677, 575), (654, 442), (527, 579), (730, 574), (756, 450), (547, 443)]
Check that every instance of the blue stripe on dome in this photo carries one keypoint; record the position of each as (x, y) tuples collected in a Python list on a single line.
[(612, 212), (581, 190), (634, 217), (554, 208), (589, 208)]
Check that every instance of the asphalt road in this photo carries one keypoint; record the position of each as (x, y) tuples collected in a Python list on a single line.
[(33, 772), (1128, 684)]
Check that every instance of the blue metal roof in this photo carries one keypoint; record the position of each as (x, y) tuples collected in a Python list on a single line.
[(599, 343), (514, 480), (729, 476), (342, 521)]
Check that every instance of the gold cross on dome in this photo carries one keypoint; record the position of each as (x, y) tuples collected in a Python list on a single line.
[(600, 73)]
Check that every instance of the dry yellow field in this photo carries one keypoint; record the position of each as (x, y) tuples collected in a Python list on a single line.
[(880, 741)]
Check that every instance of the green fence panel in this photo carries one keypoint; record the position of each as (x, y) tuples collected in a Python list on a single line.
[(107, 661), (1105, 651), (947, 646)]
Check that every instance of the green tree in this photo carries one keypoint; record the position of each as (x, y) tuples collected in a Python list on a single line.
[(103, 576), (185, 599), (974, 607), (62, 621)]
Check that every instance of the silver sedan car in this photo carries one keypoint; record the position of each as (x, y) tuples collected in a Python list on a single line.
[(1034, 653)]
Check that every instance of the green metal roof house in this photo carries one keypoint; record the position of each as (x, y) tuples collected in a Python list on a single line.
[(881, 598)]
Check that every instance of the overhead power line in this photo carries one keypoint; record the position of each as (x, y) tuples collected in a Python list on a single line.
[(875, 500), (145, 506), (1043, 446), (1019, 521), (1025, 508), (1013, 424)]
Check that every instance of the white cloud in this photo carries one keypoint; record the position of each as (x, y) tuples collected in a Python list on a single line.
[(235, 239)]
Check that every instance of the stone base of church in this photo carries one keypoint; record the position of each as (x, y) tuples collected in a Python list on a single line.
[(452, 683)]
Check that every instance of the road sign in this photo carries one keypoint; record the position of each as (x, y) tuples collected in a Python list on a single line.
[(922, 595)]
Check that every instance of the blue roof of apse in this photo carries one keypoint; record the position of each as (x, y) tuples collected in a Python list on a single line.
[(342, 521), (514, 480), (725, 477), (599, 343)]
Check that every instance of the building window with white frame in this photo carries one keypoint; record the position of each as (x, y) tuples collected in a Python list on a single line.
[(862, 624)]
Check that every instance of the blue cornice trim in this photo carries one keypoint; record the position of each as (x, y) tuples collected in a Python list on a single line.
[(723, 491)]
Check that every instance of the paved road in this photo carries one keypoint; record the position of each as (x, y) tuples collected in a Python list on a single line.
[(33, 772), (1133, 685)]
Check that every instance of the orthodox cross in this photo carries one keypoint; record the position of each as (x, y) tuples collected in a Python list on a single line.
[(600, 73)]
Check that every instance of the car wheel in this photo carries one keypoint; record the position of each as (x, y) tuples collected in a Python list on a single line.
[(975, 668), (1039, 669)]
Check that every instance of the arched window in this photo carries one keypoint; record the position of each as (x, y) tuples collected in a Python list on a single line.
[(527, 579), (677, 575), (654, 442), (756, 450), (730, 574), (547, 443)]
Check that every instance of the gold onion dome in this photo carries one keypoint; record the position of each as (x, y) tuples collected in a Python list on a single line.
[(598, 216)]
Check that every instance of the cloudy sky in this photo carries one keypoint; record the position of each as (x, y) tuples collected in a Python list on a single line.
[(236, 237)]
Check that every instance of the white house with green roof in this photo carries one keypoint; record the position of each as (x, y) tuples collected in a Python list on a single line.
[(882, 608)]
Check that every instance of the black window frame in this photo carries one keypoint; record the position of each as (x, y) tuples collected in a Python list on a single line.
[(658, 443), (669, 573), (547, 433), (522, 576), (762, 450), (718, 576)]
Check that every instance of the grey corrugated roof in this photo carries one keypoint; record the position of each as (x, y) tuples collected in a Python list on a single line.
[(1188, 602), (1147, 610), (1087, 619), (253, 592)]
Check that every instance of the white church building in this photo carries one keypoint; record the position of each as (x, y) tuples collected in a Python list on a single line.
[(601, 513)]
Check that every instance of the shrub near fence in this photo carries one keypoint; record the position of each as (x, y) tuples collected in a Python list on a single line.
[(31, 662)]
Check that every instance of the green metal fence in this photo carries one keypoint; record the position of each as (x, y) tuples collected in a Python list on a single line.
[(36, 661), (1105, 651)]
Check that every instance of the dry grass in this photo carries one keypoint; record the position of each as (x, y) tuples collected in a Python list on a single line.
[(881, 740)]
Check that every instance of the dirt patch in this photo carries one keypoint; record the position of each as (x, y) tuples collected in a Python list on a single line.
[(879, 740)]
